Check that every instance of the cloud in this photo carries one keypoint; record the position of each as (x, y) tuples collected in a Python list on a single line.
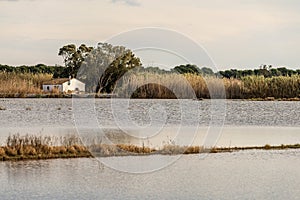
[(235, 33), (127, 2)]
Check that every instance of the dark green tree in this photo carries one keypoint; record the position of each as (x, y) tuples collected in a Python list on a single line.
[(207, 71), (227, 73), (105, 65), (73, 57), (188, 68)]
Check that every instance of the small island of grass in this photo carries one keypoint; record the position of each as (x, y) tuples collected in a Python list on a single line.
[(31, 147)]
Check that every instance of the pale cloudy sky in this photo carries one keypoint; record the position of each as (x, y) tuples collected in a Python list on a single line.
[(235, 33)]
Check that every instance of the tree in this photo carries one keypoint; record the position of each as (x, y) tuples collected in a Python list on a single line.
[(275, 72), (188, 68), (73, 57), (105, 65), (207, 71), (226, 73)]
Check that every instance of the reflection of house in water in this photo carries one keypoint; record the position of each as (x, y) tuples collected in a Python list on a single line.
[(64, 85)]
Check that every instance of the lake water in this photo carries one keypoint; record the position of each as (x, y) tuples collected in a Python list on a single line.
[(238, 175), (157, 122)]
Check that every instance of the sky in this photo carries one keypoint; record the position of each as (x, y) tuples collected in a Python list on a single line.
[(234, 33)]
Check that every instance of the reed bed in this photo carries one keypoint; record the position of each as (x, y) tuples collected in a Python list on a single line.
[(109, 150), (277, 87), (42, 147), (46, 147), (168, 86), (18, 84), (171, 85), (153, 85)]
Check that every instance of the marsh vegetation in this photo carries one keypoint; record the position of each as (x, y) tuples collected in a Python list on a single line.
[(49, 147), (42, 147), (248, 87)]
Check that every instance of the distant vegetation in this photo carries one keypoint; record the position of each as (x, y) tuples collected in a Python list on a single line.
[(64, 72), (266, 71), (107, 69)]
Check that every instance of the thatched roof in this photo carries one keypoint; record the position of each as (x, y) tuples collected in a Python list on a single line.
[(57, 81)]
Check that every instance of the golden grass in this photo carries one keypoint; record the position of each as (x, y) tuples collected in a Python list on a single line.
[(153, 85), (43, 147), (106, 150), (2, 152), (277, 87), (119, 149), (18, 84), (169, 85)]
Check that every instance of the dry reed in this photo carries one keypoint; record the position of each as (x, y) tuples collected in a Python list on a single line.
[(154, 85), (18, 84), (42, 147), (45, 147)]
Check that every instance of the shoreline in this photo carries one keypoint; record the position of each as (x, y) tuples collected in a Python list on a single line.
[(132, 150), (120, 150), (109, 96), (56, 95), (42, 157)]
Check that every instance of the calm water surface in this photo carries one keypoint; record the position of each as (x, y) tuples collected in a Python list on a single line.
[(58, 112), (245, 123), (239, 175)]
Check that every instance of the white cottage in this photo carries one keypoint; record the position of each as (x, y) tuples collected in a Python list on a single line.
[(64, 85)]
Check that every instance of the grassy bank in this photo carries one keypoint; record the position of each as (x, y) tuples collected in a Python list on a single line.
[(31, 147)]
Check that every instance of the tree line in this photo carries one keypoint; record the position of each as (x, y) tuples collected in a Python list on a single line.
[(64, 72), (102, 66), (264, 70)]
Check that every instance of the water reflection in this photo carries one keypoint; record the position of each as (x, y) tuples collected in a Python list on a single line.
[(246, 175)]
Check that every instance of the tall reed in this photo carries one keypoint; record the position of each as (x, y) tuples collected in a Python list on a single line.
[(171, 85), (12, 83), (277, 87), (42, 147)]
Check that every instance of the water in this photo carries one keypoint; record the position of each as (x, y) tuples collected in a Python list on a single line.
[(155, 122), (58, 112), (238, 175)]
